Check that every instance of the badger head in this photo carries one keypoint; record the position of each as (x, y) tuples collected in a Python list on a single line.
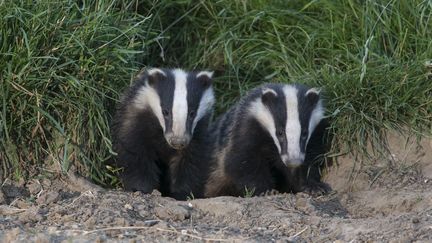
[(289, 113), (179, 100)]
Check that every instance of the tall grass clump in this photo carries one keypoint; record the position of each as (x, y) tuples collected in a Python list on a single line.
[(65, 63), (62, 65)]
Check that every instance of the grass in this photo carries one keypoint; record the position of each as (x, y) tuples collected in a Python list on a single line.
[(249, 192), (65, 63)]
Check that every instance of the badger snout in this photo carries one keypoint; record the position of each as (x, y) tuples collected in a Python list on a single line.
[(292, 162), (178, 142)]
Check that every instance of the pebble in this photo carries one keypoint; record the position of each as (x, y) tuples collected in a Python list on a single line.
[(34, 187), (156, 193), (46, 183), (41, 238), (305, 204), (174, 212), (30, 215), (11, 235), (20, 203), (52, 230), (2, 197), (90, 222), (48, 197)]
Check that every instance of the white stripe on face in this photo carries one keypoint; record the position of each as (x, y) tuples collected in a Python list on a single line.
[(148, 97), (180, 105), (265, 118), (293, 126), (205, 105), (316, 117), (317, 113)]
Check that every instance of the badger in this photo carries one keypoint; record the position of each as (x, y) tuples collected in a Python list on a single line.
[(160, 131), (269, 141)]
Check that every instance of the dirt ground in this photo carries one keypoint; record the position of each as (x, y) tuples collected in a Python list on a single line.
[(390, 201)]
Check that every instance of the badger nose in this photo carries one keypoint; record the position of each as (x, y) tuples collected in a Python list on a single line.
[(295, 162), (179, 142), (291, 162)]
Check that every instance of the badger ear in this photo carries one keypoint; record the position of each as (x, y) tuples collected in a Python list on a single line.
[(268, 95), (154, 75), (205, 77), (313, 95)]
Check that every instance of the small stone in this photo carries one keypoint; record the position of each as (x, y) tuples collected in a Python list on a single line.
[(30, 215), (174, 212), (11, 235), (304, 204), (144, 214), (156, 193), (2, 197), (150, 223), (140, 207), (67, 218), (220, 207), (314, 220), (90, 223), (22, 204), (121, 222), (48, 197), (415, 220), (46, 183), (147, 223), (34, 187), (41, 238), (137, 194), (302, 195), (52, 230), (99, 240)]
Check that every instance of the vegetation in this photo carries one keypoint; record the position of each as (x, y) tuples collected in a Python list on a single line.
[(64, 64)]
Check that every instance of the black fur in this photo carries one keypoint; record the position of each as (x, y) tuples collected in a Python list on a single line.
[(249, 160), (147, 159), (307, 177)]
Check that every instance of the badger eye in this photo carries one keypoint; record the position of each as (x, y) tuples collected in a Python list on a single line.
[(304, 134), (192, 114), (280, 132), (165, 112)]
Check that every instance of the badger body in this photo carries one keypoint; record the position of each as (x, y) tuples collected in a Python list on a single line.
[(270, 140), (160, 132)]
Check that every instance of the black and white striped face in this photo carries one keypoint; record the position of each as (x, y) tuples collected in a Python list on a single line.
[(290, 114), (179, 100)]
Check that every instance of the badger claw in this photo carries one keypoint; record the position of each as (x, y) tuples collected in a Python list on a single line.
[(317, 188), (270, 192)]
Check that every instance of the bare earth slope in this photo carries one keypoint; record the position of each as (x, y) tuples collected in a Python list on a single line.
[(390, 201)]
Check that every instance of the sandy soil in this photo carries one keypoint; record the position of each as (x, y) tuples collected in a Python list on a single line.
[(390, 201)]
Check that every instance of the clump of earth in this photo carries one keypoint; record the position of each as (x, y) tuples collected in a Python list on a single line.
[(388, 200)]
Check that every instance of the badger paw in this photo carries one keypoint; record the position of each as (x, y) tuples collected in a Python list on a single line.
[(317, 188), (270, 192)]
